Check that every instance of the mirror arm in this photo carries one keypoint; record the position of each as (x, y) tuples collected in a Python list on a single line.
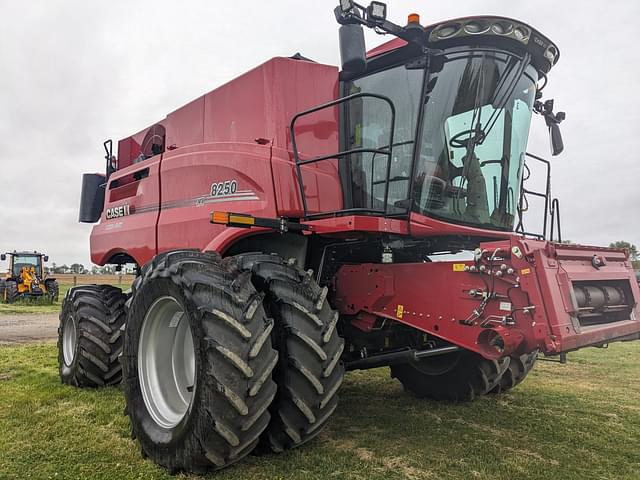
[(412, 33)]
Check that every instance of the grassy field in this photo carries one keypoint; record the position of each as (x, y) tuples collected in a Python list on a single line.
[(574, 421), (34, 305)]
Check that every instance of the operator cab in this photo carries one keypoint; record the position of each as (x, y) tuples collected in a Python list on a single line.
[(20, 260), (436, 121)]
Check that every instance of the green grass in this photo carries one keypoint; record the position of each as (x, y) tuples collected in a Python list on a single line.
[(574, 421), (35, 305)]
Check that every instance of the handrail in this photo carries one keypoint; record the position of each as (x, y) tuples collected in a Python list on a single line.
[(546, 195), (555, 215), (344, 153)]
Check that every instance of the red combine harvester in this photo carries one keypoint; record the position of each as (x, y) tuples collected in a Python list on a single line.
[(301, 221)]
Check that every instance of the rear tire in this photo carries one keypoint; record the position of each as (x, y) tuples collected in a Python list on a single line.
[(310, 371), (208, 411), (11, 293), (53, 289), (463, 377), (90, 337), (519, 368)]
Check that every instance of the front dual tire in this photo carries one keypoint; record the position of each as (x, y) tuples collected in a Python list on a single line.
[(199, 368), (198, 362)]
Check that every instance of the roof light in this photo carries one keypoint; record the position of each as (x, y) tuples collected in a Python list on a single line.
[(346, 5), (551, 53), (522, 34), (413, 18), (377, 11), (476, 27), (502, 28), (448, 30)]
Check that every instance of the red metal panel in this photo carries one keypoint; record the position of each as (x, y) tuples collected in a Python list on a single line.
[(432, 297), (134, 232), (188, 198), (530, 303), (322, 185), (185, 126), (422, 226), (262, 102), (358, 223)]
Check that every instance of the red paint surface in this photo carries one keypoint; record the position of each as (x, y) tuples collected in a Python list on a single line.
[(435, 297), (240, 132), (213, 139)]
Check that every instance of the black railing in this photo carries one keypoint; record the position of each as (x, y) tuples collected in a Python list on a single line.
[(551, 207), (345, 154)]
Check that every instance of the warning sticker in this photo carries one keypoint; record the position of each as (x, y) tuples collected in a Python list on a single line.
[(505, 306), (458, 267), (525, 271), (399, 311)]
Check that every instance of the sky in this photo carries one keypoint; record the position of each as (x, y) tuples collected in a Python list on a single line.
[(75, 73)]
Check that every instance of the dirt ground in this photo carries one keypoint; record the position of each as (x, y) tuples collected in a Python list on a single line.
[(28, 328)]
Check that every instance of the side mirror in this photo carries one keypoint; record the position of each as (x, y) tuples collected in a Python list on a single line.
[(46, 258), (92, 197), (3, 257), (557, 145), (553, 121), (353, 53)]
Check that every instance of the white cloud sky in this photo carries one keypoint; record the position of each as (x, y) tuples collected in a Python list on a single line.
[(75, 73)]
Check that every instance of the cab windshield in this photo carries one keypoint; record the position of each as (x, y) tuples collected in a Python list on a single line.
[(469, 147), (474, 138), (20, 261)]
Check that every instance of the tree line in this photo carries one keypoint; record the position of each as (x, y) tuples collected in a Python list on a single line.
[(79, 269)]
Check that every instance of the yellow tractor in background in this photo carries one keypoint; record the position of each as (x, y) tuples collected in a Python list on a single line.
[(25, 278)]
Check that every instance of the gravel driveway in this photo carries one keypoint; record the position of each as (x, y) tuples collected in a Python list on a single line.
[(28, 328)]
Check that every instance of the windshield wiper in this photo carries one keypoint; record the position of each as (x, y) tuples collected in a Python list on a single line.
[(477, 134)]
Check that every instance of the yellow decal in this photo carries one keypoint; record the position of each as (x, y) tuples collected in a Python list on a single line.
[(399, 311), (525, 271), (458, 267)]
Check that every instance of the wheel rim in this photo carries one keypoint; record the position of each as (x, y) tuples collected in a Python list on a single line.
[(69, 340), (166, 362)]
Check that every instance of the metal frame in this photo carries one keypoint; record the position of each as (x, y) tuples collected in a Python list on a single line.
[(345, 153), (551, 206)]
